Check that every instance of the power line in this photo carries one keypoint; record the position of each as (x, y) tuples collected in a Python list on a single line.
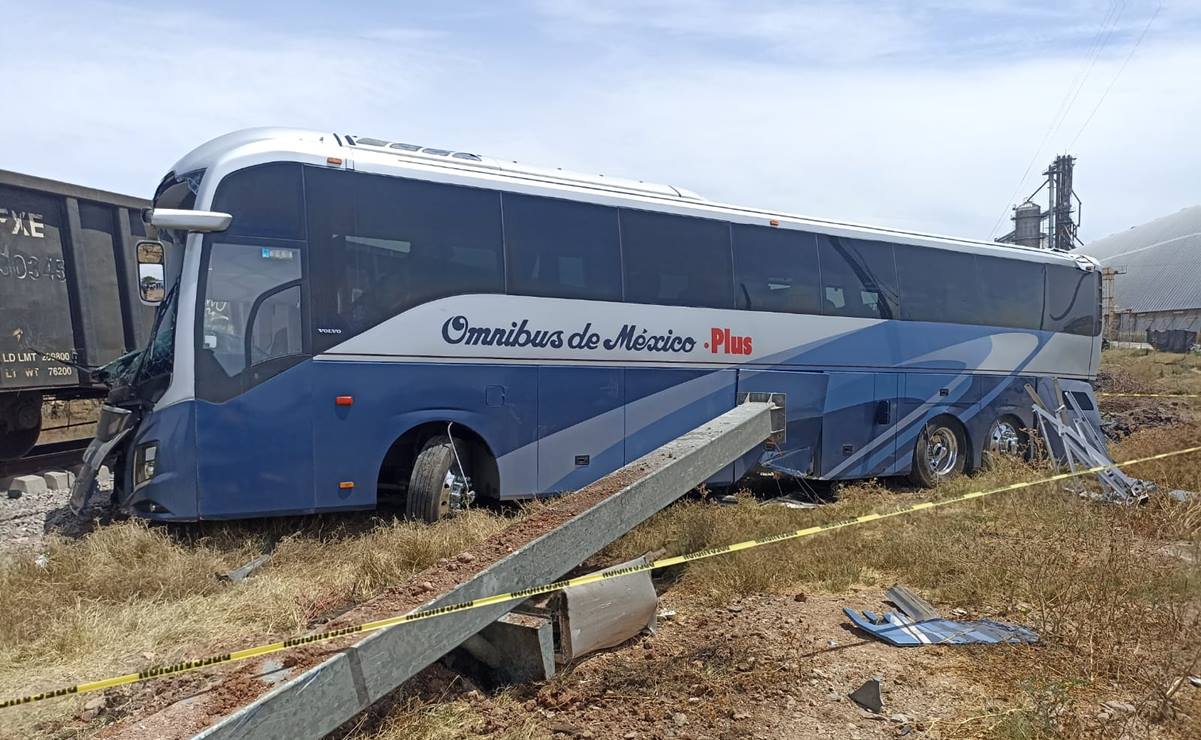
[(1104, 32), (1095, 56), (1121, 69)]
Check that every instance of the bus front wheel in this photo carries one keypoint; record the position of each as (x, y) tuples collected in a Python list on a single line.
[(440, 485), (939, 453)]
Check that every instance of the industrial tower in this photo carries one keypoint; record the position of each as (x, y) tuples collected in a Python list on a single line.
[(1062, 215)]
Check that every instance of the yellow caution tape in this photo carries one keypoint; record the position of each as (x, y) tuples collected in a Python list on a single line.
[(1149, 395), (254, 652)]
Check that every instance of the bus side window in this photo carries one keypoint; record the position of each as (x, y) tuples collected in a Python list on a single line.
[(561, 249), (383, 245), (265, 200), (1010, 292), (937, 285), (858, 278), (676, 260), (276, 331), (775, 270), (1071, 302)]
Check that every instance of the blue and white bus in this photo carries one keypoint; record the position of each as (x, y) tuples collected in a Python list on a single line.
[(356, 317)]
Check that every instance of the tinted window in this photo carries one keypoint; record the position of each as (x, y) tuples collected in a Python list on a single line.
[(937, 285), (1010, 292), (252, 314), (776, 270), (562, 249), (676, 261), (385, 244), (858, 278), (266, 200), (1072, 301)]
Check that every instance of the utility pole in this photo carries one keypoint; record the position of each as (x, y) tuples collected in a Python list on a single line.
[(1108, 307)]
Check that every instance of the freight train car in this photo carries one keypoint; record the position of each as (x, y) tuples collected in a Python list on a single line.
[(68, 295)]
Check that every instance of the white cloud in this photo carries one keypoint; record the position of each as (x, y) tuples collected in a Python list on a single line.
[(110, 97), (831, 32)]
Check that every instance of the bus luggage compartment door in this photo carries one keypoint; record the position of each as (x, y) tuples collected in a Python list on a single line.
[(804, 400), (859, 425), (663, 403), (581, 425)]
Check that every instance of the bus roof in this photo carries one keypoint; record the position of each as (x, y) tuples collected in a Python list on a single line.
[(229, 152)]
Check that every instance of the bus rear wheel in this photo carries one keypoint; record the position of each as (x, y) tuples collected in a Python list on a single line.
[(939, 453), (1006, 438), (440, 485)]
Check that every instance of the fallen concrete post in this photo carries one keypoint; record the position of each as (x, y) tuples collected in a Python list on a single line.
[(324, 697), (519, 648)]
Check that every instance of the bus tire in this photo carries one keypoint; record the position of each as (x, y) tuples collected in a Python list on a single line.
[(1005, 438), (939, 453), (432, 493)]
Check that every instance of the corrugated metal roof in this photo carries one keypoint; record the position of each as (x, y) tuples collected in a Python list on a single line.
[(1162, 259)]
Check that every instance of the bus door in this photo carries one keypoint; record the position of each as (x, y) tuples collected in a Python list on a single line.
[(859, 425), (254, 428)]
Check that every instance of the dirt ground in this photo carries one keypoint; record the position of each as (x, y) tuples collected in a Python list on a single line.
[(753, 645), (64, 420), (763, 666)]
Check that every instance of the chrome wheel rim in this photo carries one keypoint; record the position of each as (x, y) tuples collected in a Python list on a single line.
[(457, 495), (942, 451), (1004, 438)]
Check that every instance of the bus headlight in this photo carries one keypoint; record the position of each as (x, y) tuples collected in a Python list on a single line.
[(144, 463)]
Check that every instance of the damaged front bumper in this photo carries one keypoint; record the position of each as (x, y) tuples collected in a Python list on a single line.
[(114, 427)]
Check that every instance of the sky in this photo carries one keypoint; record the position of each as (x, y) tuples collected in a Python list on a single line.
[(932, 115)]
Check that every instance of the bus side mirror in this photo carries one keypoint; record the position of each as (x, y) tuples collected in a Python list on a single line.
[(151, 275), (200, 222)]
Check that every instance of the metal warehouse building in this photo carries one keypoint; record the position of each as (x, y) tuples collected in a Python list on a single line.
[(1156, 280)]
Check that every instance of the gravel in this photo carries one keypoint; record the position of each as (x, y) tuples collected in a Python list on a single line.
[(26, 521)]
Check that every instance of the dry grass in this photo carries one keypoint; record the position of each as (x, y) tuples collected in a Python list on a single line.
[(1114, 591), (130, 595), (1146, 371), (427, 719)]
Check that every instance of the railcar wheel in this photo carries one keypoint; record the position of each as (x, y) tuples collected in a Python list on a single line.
[(1006, 438), (440, 485), (939, 453), (20, 423)]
